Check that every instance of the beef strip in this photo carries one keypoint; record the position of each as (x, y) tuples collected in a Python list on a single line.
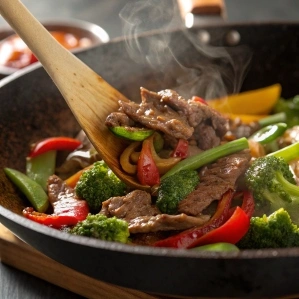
[(206, 136), (143, 217), (168, 112), (59, 190), (116, 119), (154, 114), (215, 180), (165, 222), (134, 204)]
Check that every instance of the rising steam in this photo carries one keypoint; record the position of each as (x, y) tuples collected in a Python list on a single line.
[(219, 71)]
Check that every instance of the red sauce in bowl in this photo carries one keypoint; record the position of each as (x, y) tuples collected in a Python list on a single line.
[(14, 53)]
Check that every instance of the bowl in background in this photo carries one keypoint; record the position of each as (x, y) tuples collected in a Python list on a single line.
[(89, 35)]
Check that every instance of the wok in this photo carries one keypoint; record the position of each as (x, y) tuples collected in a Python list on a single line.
[(32, 108)]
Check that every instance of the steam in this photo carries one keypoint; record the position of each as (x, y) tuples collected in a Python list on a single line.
[(219, 70)]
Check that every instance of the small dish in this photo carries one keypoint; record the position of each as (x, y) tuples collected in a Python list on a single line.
[(85, 34)]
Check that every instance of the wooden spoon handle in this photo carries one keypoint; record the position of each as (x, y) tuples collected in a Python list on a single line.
[(90, 98)]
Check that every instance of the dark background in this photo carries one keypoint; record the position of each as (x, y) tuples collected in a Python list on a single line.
[(15, 284)]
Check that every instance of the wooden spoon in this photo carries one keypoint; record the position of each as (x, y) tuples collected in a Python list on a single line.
[(88, 95)]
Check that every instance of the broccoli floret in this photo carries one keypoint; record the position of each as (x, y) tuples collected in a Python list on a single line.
[(175, 188), (101, 227), (273, 186), (274, 231), (98, 184)]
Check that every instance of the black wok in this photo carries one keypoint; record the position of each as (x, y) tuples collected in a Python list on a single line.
[(32, 108)]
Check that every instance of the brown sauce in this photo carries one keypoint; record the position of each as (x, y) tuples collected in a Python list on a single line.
[(14, 52)]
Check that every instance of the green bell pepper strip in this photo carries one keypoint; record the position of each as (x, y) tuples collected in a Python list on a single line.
[(131, 133), (39, 168), (31, 189), (269, 133), (219, 247), (209, 156)]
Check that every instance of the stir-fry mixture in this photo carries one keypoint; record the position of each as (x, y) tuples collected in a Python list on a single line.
[(221, 174)]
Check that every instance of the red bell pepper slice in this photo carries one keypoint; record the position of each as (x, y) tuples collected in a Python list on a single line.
[(232, 231), (199, 99), (248, 204), (54, 143), (181, 149), (147, 170), (189, 238), (66, 213)]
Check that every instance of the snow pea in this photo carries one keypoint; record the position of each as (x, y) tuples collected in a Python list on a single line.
[(40, 167), (31, 189), (221, 246)]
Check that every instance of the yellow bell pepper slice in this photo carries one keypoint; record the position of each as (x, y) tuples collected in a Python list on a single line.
[(258, 101)]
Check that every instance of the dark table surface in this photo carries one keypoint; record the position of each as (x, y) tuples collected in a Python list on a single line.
[(15, 284)]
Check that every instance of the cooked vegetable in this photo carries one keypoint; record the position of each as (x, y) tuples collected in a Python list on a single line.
[(31, 189), (73, 180), (190, 238), (291, 108), (101, 227), (132, 133), (97, 184), (181, 149), (272, 119), (231, 231), (269, 133), (226, 225), (288, 153), (147, 170), (208, 156), (126, 158), (40, 167), (175, 188), (199, 99), (67, 212), (274, 231), (273, 186), (54, 143), (259, 101), (221, 246), (164, 164)]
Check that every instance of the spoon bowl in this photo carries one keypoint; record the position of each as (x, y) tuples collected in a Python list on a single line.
[(90, 98)]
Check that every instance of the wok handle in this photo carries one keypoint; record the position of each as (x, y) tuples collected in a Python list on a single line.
[(202, 7)]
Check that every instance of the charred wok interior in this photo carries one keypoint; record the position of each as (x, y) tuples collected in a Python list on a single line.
[(26, 122)]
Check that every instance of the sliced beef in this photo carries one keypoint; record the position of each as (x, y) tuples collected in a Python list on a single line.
[(215, 180), (165, 222), (168, 112), (116, 119), (155, 114), (206, 137), (143, 217), (134, 204), (59, 190)]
